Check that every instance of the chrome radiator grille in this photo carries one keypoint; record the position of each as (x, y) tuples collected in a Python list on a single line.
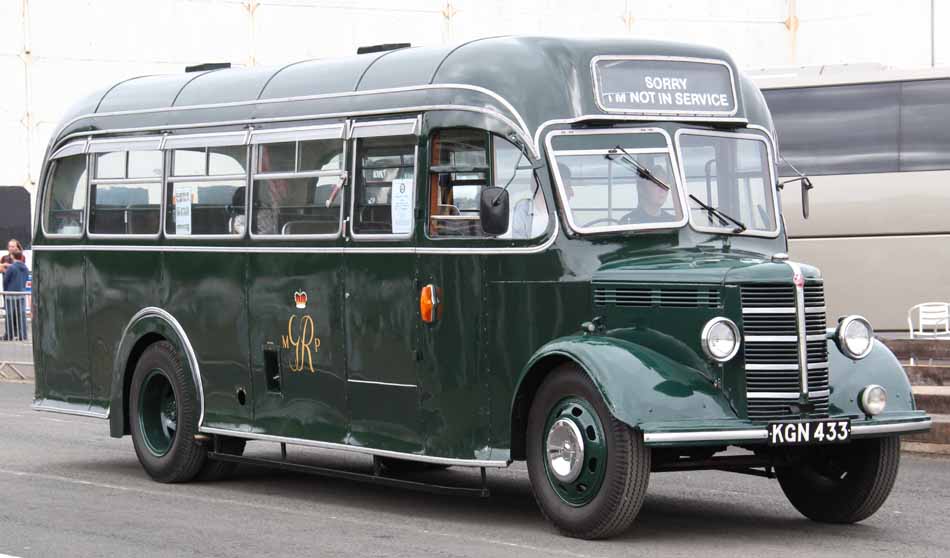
[(772, 350)]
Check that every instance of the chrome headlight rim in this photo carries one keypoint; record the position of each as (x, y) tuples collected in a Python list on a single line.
[(865, 403), (704, 338), (843, 345)]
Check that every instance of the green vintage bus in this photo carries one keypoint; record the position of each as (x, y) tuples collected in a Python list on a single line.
[(565, 252)]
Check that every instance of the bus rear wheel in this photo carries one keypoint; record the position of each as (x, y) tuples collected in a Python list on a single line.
[(842, 484), (589, 472), (163, 416)]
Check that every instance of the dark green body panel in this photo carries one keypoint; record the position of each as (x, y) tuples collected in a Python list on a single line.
[(117, 286), (511, 309), (381, 326), (308, 404)]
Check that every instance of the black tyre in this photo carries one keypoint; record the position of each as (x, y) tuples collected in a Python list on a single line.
[(842, 484), (163, 416), (215, 470), (589, 471)]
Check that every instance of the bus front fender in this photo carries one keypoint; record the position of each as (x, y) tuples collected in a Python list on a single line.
[(146, 327), (638, 384)]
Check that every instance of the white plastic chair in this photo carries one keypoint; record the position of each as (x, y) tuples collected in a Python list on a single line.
[(931, 316)]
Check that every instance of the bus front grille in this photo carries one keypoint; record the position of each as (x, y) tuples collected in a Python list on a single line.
[(772, 351)]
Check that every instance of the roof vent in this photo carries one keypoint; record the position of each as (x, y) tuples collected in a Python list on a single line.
[(382, 48), (207, 66)]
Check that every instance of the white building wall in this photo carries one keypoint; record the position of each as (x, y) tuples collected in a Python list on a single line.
[(55, 51)]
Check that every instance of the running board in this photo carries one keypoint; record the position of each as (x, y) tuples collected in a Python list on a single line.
[(375, 478)]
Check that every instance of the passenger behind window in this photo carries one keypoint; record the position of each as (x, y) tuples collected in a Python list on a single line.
[(651, 197)]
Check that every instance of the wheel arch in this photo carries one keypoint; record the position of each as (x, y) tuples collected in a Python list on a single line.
[(637, 383), (148, 326)]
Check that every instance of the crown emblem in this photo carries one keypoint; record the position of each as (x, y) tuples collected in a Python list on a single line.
[(799, 280), (300, 299)]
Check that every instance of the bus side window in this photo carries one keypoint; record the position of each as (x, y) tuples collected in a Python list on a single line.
[(297, 188), (458, 171), (125, 193), (66, 200), (461, 167), (385, 180), (513, 171), (206, 191)]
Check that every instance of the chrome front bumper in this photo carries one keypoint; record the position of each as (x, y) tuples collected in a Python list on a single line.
[(692, 433)]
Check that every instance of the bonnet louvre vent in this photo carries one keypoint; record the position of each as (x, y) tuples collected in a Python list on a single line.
[(666, 297)]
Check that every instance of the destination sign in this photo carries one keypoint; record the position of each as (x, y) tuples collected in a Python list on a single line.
[(651, 86)]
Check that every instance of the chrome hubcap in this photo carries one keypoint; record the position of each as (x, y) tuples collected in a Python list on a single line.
[(565, 449)]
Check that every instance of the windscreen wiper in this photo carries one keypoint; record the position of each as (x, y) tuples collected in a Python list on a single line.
[(645, 173), (637, 167), (723, 218)]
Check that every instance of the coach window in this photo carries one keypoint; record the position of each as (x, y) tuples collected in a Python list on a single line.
[(125, 193), (461, 167), (206, 188), (384, 179), (66, 197), (298, 187)]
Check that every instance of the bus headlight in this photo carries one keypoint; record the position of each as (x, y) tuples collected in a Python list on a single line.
[(873, 399), (855, 337), (720, 339)]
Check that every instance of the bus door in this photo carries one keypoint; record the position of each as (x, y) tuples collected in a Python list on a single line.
[(295, 283), (381, 302), (451, 364)]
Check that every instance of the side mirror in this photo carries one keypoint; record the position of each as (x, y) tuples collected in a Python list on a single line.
[(493, 210), (806, 186)]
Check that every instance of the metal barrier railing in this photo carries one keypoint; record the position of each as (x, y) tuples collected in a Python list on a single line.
[(16, 343)]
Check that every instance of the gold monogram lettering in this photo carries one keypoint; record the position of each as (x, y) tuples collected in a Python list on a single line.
[(305, 343)]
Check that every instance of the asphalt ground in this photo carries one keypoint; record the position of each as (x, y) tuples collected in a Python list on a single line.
[(68, 489)]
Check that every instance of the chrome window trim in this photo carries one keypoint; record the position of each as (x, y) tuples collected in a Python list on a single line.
[(354, 185), (356, 449), (133, 143), (47, 190), (512, 250), (631, 118), (582, 152), (772, 233), (299, 133), (664, 112), (213, 139), (460, 86), (72, 148), (384, 128), (562, 195), (342, 174), (521, 132)]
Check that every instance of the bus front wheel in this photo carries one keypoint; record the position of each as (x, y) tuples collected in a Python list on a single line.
[(841, 484), (589, 472), (163, 416)]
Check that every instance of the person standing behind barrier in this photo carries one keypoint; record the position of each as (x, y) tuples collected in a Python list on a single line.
[(15, 276)]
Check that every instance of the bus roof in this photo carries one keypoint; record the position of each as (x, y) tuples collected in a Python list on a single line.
[(532, 80)]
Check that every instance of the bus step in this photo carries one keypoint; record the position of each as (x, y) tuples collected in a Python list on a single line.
[(379, 479)]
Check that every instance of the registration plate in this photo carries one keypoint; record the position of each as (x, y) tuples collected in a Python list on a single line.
[(809, 432)]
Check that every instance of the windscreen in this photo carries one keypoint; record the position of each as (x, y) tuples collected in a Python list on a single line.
[(731, 174), (618, 182)]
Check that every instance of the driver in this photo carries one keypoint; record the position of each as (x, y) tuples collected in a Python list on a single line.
[(650, 200)]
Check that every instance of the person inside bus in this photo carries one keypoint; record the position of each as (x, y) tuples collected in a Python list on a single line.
[(15, 277), (650, 200)]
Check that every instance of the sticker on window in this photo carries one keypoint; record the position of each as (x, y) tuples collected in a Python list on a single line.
[(402, 205), (184, 197)]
